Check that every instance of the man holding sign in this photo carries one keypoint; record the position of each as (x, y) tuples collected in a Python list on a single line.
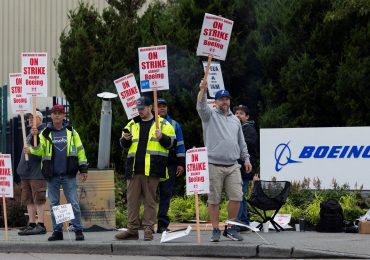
[(146, 164), (223, 137)]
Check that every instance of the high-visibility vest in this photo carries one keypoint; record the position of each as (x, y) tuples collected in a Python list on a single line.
[(156, 155)]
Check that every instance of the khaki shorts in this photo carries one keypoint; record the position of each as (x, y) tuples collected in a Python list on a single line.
[(33, 192), (228, 177)]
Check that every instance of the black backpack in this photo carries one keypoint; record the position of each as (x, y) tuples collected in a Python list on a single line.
[(331, 217)]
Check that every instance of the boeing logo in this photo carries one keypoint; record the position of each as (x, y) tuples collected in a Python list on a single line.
[(283, 154)]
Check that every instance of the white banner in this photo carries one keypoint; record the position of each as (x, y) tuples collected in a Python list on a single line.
[(35, 74), (129, 93), (18, 102), (63, 213), (215, 80), (215, 36), (340, 153), (6, 176), (197, 175), (153, 68)]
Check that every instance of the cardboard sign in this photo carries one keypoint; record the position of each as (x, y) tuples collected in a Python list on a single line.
[(211, 103), (129, 93), (18, 102), (171, 235), (63, 213), (215, 80), (153, 68), (214, 37), (35, 74), (197, 175), (6, 176)]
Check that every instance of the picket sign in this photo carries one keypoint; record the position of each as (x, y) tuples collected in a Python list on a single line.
[(35, 79), (6, 185), (197, 177), (128, 92), (63, 213), (19, 102), (215, 80)]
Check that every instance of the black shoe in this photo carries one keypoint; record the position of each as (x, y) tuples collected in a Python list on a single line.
[(161, 229), (57, 235), (24, 228), (37, 230), (79, 235)]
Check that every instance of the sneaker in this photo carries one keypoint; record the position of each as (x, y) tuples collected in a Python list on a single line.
[(244, 229), (216, 235), (57, 235), (127, 235), (24, 228), (79, 235), (148, 234), (36, 230), (161, 229), (232, 234)]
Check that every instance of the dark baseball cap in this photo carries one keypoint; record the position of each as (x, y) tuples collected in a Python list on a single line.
[(143, 102), (222, 93), (242, 108), (161, 101), (58, 107)]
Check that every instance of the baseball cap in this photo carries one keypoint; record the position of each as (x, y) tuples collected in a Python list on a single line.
[(58, 107), (162, 101), (242, 108), (222, 93), (38, 113), (143, 102)]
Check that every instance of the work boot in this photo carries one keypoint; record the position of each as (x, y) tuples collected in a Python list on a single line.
[(79, 235), (127, 235), (57, 235), (148, 234)]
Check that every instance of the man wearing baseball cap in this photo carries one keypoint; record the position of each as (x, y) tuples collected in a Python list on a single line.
[(63, 155), (223, 137), (33, 185)]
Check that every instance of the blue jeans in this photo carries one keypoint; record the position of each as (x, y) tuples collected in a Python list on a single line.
[(69, 186), (243, 214), (165, 194)]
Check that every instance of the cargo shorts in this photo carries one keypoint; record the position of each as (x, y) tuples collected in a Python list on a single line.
[(33, 192), (227, 177)]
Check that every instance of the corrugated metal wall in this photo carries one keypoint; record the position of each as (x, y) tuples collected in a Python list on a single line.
[(34, 26)]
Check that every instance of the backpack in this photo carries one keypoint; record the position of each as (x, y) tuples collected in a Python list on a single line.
[(331, 217)]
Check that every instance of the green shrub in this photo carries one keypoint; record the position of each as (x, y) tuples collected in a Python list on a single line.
[(351, 210), (182, 209), (311, 212), (121, 217)]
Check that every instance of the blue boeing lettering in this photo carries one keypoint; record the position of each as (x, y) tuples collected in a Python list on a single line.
[(336, 151)]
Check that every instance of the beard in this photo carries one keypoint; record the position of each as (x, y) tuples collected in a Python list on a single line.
[(224, 108)]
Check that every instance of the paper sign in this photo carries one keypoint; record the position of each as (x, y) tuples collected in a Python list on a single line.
[(63, 213), (6, 176), (214, 37), (18, 102), (211, 103), (35, 74), (153, 68), (197, 176), (282, 219), (215, 80), (129, 93), (171, 235)]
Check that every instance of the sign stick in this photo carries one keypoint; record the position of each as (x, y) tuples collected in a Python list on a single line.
[(24, 134), (5, 218), (197, 216), (201, 93), (155, 108), (34, 118)]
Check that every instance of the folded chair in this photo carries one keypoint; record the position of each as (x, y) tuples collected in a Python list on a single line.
[(269, 195)]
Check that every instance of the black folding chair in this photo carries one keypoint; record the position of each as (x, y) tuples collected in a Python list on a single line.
[(269, 195)]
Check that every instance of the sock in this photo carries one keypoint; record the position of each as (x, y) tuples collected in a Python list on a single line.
[(41, 224), (32, 224)]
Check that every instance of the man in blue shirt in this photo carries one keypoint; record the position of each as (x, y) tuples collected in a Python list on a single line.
[(175, 166)]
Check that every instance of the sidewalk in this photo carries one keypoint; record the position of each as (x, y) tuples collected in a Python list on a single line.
[(287, 244)]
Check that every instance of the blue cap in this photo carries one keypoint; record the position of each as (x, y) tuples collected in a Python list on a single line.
[(222, 93)]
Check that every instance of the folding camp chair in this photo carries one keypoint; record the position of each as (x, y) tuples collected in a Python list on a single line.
[(269, 195)]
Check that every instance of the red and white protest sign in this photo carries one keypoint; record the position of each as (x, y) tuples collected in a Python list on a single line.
[(35, 74), (6, 176), (211, 103), (129, 93), (18, 102), (153, 68), (215, 80), (197, 176), (215, 36)]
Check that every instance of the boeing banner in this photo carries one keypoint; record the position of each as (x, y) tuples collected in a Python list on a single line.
[(340, 153)]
